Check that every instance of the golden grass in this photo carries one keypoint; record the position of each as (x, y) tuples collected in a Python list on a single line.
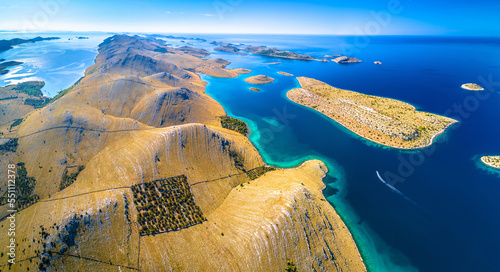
[(382, 120)]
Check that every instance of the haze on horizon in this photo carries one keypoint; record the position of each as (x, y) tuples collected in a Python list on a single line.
[(362, 17)]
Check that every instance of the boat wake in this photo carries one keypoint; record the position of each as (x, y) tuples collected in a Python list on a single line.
[(396, 190)]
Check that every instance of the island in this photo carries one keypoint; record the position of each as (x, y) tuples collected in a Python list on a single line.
[(7, 64), (229, 48), (144, 171), (274, 52), (254, 89), (381, 120), (472, 87), (260, 79), (492, 161), (285, 73), (8, 44), (378, 62), (346, 60)]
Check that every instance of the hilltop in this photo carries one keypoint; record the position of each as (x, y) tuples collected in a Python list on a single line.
[(132, 169)]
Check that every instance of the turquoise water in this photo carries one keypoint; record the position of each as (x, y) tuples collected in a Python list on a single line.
[(453, 224)]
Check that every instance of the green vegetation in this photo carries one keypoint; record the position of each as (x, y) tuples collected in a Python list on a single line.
[(238, 161), (259, 171), (68, 179), (33, 88), (234, 124), (10, 146), (161, 50), (65, 91), (165, 205), (24, 189), (8, 98), (290, 266), (16, 123), (37, 103)]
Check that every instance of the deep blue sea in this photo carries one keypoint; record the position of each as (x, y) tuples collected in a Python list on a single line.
[(452, 221)]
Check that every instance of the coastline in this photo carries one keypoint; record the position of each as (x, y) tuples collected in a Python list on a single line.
[(363, 121), (491, 161)]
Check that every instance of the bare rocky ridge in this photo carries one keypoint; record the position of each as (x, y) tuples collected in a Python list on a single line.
[(140, 114)]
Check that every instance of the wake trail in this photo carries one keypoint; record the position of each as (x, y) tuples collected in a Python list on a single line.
[(398, 191)]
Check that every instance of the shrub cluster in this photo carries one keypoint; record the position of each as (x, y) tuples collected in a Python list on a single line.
[(10, 146), (24, 189), (165, 205), (68, 179), (259, 171), (234, 124)]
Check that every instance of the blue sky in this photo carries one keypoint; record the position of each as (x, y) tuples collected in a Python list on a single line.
[(388, 17)]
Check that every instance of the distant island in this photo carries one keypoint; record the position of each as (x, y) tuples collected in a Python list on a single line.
[(260, 79), (472, 87), (285, 73), (7, 64), (274, 52), (382, 120), (254, 89), (345, 60), (493, 161), (8, 44), (229, 48)]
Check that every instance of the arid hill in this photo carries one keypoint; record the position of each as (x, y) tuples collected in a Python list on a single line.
[(131, 170)]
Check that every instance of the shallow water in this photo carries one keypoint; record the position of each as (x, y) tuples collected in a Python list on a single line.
[(60, 63)]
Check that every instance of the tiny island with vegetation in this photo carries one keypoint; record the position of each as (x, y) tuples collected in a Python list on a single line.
[(472, 87), (492, 161), (382, 120), (260, 79)]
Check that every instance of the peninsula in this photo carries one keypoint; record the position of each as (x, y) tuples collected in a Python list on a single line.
[(382, 120), (493, 161), (260, 79), (472, 87), (141, 170)]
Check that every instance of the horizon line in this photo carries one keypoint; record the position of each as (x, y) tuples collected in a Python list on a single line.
[(237, 33)]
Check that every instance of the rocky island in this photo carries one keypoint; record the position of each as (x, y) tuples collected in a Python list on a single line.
[(382, 120), (7, 64), (346, 60), (472, 87), (141, 170), (492, 161), (285, 73), (274, 52), (229, 48), (260, 79), (8, 44)]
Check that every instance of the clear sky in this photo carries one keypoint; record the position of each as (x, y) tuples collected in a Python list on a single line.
[(372, 17)]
